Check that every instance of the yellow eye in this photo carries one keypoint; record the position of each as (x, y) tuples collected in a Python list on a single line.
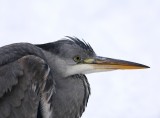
[(77, 58)]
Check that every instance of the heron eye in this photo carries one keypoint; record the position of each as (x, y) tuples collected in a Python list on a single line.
[(77, 58)]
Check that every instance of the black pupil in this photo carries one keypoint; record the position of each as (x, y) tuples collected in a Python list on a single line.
[(78, 58)]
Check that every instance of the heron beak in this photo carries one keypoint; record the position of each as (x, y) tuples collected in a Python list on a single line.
[(103, 64)]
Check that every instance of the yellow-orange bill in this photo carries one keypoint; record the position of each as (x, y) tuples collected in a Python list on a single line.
[(108, 63)]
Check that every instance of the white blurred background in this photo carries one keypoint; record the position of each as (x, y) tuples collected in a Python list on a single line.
[(124, 29)]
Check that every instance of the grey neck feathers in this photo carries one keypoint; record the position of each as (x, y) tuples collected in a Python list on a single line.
[(71, 93), (71, 97)]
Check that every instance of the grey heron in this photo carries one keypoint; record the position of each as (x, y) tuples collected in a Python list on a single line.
[(48, 80)]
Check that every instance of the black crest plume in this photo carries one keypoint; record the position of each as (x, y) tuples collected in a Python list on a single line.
[(81, 43), (53, 46)]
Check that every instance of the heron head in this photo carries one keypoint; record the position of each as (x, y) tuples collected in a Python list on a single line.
[(77, 57)]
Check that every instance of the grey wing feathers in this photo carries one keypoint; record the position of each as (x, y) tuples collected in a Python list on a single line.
[(22, 80), (10, 53), (8, 77), (10, 70)]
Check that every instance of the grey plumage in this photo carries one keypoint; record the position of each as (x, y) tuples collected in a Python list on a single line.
[(47, 80), (20, 71), (18, 98)]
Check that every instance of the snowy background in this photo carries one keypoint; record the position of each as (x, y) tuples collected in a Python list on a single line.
[(124, 29)]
